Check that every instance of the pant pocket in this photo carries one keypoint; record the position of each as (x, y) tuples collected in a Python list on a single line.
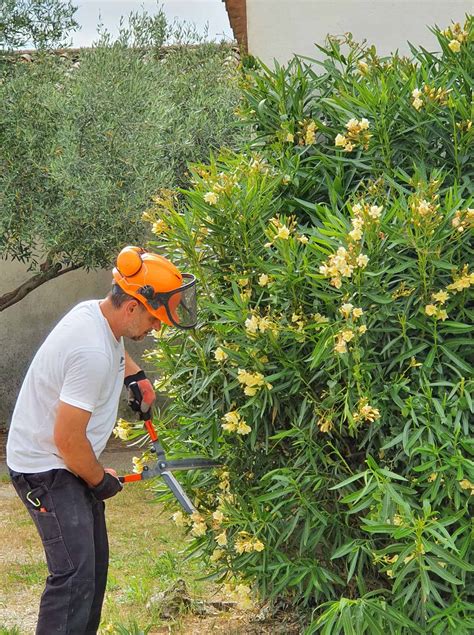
[(57, 555)]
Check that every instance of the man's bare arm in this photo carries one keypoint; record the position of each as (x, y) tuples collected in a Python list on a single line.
[(73, 445), (131, 367)]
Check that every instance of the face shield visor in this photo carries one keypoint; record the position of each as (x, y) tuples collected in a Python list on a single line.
[(179, 304)]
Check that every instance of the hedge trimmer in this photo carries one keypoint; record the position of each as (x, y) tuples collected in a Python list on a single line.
[(164, 467)]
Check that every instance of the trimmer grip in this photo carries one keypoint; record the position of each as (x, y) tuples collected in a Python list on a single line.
[(128, 478)]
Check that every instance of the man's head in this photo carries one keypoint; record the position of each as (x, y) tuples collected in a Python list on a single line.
[(160, 289), (135, 322)]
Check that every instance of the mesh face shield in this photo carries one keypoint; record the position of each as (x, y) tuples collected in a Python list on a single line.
[(180, 304)]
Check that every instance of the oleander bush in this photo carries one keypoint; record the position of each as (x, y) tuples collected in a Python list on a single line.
[(332, 370)]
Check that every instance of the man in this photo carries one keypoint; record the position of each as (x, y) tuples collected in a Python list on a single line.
[(64, 415)]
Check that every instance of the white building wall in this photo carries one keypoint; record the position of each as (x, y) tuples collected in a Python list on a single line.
[(279, 29)]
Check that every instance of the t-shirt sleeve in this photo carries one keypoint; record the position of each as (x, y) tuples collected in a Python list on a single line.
[(86, 373)]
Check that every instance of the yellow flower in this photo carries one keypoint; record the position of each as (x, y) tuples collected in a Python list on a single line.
[(357, 313), (199, 529), (251, 324), (138, 463), (250, 391), (440, 297), (455, 46), (348, 147), (216, 555), (123, 430), (416, 93), (221, 539), (250, 379), (432, 477), (362, 329), (340, 140), (363, 67), (258, 545), (303, 239), (310, 134), (355, 234), (352, 125), (218, 516), (211, 198), (242, 427), (159, 226), (375, 211), (283, 233), (417, 103), (431, 309), (362, 261), (220, 355), (465, 484), (290, 138), (340, 347), (231, 420), (347, 335), (325, 424), (178, 519), (264, 324), (263, 280), (441, 314), (346, 310)]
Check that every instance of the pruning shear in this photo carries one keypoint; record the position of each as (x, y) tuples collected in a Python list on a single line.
[(163, 467)]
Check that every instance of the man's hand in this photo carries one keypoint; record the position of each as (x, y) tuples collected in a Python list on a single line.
[(108, 487), (140, 392)]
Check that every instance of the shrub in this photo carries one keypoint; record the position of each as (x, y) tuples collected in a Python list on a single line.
[(87, 143), (332, 369)]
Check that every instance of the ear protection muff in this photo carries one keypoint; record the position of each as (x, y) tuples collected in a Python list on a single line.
[(129, 261)]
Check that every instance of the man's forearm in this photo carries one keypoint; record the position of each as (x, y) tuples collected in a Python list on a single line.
[(131, 367), (81, 460)]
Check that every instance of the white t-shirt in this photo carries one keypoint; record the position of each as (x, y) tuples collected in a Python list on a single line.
[(80, 363)]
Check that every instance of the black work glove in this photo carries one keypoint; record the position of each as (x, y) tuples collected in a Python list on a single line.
[(140, 392), (108, 487)]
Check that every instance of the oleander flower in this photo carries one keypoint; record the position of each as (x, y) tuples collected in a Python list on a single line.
[(211, 198), (221, 539), (283, 233), (123, 429), (440, 296), (455, 46), (346, 310), (220, 355)]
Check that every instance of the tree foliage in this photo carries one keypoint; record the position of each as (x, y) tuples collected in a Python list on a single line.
[(332, 372), (36, 23), (88, 142)]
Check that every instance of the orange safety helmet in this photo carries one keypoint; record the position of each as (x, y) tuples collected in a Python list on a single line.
[(155, 282)]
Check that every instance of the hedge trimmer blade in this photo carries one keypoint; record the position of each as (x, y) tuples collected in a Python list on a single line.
[(163, 467)]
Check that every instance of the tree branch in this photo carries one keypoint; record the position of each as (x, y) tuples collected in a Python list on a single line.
[(12, 297)]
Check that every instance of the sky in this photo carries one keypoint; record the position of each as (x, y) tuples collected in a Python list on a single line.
[(199, 12)]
